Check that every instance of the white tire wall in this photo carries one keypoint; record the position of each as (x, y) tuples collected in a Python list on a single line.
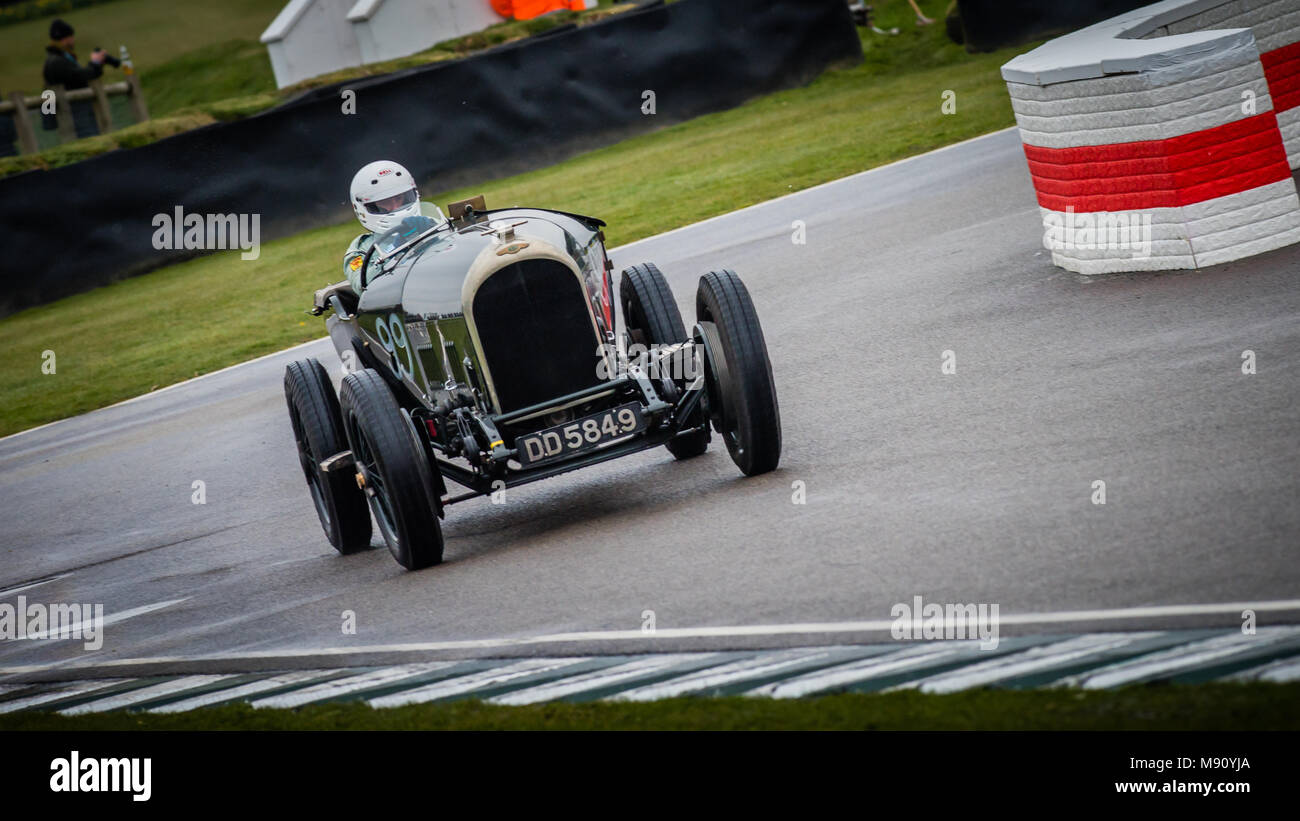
[(1165, 138)]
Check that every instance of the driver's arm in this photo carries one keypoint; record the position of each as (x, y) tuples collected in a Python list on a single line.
[(354, 258)]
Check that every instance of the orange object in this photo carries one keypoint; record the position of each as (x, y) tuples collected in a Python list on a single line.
[(528, 9)]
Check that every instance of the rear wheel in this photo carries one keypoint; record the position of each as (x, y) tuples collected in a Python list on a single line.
[(393, 470), (742, 394), (650, 317), (318, 431)]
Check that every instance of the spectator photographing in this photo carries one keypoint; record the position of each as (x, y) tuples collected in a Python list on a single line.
[(62, 69)]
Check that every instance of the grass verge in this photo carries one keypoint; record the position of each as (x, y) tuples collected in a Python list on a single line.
[(1154, 707), (220, 80), (142, 333), (155, 31)]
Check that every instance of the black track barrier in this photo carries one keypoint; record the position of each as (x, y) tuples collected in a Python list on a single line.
[(510, 109), (988, 25)]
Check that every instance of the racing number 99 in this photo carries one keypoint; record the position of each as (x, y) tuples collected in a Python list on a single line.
[(392, 335)]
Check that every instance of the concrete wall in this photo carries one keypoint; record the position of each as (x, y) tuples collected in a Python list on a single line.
[(313, 37), (309, 38), (387, 29)]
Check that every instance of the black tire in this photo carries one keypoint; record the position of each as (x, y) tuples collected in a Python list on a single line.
[(396, 470), (651, 317), (750, 422), (318, 430)]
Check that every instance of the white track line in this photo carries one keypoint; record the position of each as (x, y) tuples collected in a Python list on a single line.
[(726, 674), (76, 689), (481, 680), (1183, 657), (132, 613), (350, 684), (734, 631), (1032, 660), (120, 700), (252, 688), (80, 627), (611, 251), (597, 679), (1282, 670), (545, 679), (858, 671)]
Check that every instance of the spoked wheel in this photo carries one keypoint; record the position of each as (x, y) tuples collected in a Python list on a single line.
[(738, 374), (393, 470), (318, 430), (650, 317)]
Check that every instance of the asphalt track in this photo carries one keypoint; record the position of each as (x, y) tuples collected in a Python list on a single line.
[(974, 487)]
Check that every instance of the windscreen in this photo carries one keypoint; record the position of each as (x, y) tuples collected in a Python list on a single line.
[(410, 230)]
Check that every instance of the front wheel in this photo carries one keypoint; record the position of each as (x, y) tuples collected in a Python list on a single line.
[(738, 373), (392, 469), (651, 318), (318, 430)]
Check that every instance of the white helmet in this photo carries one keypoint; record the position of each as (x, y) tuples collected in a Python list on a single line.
[(383, 194)]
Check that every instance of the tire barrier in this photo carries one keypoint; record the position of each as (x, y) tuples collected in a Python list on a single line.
[(507, 110), (1165, 138)]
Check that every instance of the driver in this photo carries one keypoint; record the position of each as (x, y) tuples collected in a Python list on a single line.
[(383, 195)]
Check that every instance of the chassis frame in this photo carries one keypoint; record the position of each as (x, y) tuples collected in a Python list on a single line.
[(671, 417)]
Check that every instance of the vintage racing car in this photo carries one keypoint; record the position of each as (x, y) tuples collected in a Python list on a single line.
[(486, 349)]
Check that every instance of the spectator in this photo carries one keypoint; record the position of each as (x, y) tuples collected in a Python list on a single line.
[(61, 68)]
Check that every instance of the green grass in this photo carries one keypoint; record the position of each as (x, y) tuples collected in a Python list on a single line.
[(155, 31), (1155, 707), (159, 328), (234, 69), (190, 56), (219, 79)]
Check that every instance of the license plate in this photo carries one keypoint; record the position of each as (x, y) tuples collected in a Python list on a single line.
[(586, 433)]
